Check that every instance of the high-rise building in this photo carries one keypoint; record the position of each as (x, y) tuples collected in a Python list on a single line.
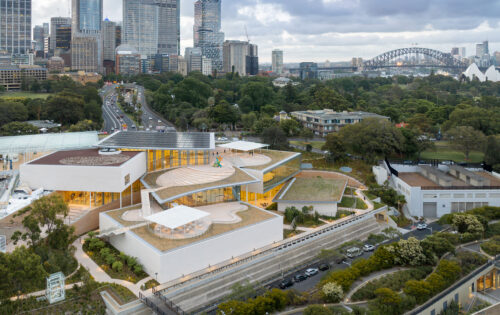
[(118, 35), (140, 26), (277, 59), (252, 60), (169, 28), (46, 29), (62, 39), (193, 59), (86, 41), (482, 49), (109, 40), (308, 70), (241, 57), (152, 26), (128, 60), (38, 37), (207, 30), (54, 23), (15, 20)]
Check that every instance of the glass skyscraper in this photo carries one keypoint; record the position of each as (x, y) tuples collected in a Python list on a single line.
[(15, 26), (152, 26), (207, 33)]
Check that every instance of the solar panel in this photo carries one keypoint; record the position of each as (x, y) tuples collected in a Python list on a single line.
[(159, 140)]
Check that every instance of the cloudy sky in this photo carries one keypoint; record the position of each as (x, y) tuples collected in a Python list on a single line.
[(335, 30)]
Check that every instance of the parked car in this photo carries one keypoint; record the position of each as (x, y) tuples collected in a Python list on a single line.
[(286, 283), (421, 226), (299, 277), (354, 252), (368, 248), (340, 259), (311, 272), (323, 267)]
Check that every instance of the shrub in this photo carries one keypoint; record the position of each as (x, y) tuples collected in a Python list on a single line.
[(420, 290), (492, 247), (104, 252), (137, 268), (332, 292), (117, 266), (408, 252), (317, 310), (467, 223), (110, 259)]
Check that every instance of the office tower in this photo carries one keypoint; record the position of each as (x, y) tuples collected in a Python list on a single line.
[(207, 30), (277, 59), (46, 29), (308, 70), (241, 57), (169, 29), (38, 37), (140, 26), (109, 40), (15, 19), (482, 49), (86, 41), (161, 63), (63, 42), (118, 36), (128, 60), (252, 60), (152, 26), (54, 23)]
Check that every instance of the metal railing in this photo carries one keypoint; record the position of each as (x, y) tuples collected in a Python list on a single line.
[(171, 305), (459, 187), (284, 244), (149, 303)]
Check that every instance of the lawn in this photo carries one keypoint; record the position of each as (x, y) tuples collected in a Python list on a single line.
[(25, 95), (315, 189), (444, 151), (315, 144), (349, 202)]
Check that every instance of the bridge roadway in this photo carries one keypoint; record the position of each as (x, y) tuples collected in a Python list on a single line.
[(202, 295)]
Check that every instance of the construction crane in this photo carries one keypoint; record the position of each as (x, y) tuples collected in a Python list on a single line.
[(246, 33)]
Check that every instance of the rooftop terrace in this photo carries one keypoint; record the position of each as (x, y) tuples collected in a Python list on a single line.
[(89, 157), (275, 156), (314, 189), (248, 217)]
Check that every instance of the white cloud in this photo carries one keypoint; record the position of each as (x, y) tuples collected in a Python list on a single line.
[(265, 13)]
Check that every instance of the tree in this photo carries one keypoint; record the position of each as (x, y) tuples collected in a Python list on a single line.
[(306, 134), (491, 156), (327, 98), (84, 125), (12, 111), (387, 300), (466, 139), (248, 120), (335, 147), (275, 137), (467, 223), (18, 128), (408, 252), (332, 292), (290, 127), (224, 113), (419, 289), (35, 86), (317, 310), (256, 94), (66, 108)]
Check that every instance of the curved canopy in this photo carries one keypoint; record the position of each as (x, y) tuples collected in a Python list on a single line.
[(243, 145)]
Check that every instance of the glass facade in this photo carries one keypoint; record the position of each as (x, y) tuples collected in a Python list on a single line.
[(281, 173), (208, 197), (15, 24), (164, 159), (207, 33), (261, 200), (86, 199), (90, 15)]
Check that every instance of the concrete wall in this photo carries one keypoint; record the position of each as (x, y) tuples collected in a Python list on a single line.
[(328, 209), (199, 255), (381, 174), (83, 178)]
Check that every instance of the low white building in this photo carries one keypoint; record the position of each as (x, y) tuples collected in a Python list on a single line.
[(432, 192), (196, 239)]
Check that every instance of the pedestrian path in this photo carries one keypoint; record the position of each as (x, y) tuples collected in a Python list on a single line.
[(373, 276), (100, 275)]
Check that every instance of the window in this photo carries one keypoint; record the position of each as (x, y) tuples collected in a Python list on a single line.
[(480, 195), (433, 312), (445, 305), (456, 297), (445, 195), (430, 195), (458, 195)]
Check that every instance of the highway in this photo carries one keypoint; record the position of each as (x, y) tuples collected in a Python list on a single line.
[(114, 116), (311, 282)]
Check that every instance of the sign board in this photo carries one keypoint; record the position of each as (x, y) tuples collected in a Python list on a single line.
[(55, 291)]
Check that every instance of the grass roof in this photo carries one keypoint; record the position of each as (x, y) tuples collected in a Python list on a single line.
[(315, 189)]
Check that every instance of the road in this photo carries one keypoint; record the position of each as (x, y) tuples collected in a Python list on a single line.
[(114, 117), (311, 282)]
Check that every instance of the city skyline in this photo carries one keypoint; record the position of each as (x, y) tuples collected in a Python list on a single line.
[(337, 29)]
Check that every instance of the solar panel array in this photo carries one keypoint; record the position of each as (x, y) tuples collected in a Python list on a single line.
[(158, 140)]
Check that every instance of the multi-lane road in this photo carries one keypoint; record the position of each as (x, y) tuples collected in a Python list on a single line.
[(115, 118)]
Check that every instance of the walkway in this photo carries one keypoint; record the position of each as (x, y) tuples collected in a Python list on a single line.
[(42, 292), (373, 276), (100, 275)]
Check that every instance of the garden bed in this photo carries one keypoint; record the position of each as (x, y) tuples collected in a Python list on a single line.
[(355, 203)]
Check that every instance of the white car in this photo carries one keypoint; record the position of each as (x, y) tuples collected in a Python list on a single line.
[(368, 248), (311, 272), (421, 226)]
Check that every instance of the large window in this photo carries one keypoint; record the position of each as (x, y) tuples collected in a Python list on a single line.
[(208, 197), (281, 173)]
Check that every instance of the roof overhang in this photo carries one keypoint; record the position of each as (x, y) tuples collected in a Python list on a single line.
[(177, 216), (243, 145)]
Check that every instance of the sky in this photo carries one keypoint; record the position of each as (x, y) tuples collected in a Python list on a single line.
[(335, 30)]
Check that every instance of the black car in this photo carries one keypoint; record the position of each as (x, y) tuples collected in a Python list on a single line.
[(340, 259), (286, 283), (323, 267), (299, 277)]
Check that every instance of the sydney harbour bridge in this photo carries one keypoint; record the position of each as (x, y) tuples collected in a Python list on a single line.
[(425, 57)]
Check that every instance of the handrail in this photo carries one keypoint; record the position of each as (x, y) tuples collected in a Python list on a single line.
[(274, 248)]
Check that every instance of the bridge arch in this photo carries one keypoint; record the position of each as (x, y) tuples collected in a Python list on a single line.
[(445, 58)]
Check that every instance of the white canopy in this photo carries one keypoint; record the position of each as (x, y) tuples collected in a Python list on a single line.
[(177, 216), (243, 145)]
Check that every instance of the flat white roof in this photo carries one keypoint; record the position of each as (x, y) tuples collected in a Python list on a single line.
[(177, 216), (243, 145)]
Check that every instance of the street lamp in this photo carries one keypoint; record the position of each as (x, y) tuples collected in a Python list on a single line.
[(156, 275)]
